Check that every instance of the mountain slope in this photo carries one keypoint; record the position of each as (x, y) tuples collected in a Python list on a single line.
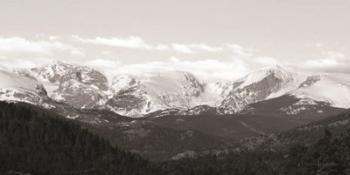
[(289, 106), (178, 93), (306, 134), (18, 88), (78, 86), (331, 88), (134, 96), (257, 86)]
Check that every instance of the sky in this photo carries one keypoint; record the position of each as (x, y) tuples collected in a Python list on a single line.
[(214, 39)]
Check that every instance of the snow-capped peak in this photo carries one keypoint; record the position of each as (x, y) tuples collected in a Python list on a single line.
[(14, 87), (256, 86), (173, 89), (60, 72), (83, 87), (331, 88), (79, 86), (279, 72), (121, 82)]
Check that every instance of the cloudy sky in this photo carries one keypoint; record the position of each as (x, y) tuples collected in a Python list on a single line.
[(215, 39)]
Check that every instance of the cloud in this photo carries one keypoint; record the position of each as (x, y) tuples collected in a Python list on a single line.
[(162, 47), (330, 60), (183, 48), (102, 63), (266, 61), (17, 52), (107, 66), (212, 69), (212, 62), (321, 63), (103, 59), (208, 69), (23, 62), (240, 50), (205, 47), (195, 48), (129, 42), (319, 44), (134, 42), (18, 45), (54, 37)]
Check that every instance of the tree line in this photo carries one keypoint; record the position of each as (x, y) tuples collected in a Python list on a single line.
[(39, 142)]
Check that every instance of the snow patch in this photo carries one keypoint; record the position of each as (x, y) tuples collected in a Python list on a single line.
[(331, 89)]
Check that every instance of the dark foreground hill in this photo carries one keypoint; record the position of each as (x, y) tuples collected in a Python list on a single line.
[(36, 141), (318, 148), (330, 155)]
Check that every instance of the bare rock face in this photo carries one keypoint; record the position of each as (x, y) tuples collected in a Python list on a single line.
[(78, 86), (83, 87), (62, 72), (79, 95), (14, 87), (310, 80), (128, 96), (169, 90), (254, 88), (172, 92), (18, 95)]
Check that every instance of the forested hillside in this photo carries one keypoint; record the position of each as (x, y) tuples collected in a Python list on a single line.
[(329, 156), (36, 141)]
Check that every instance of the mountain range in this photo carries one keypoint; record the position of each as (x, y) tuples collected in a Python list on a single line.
[(173, 91), (174, 114)]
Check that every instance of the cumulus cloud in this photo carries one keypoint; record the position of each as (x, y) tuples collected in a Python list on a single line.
[(266, 61), (194, 48), (208, 69), (182, 48), (319, 44), (54, 37), (102, 63), (17, 44), (321, 63), (211, 62), (162, 47), (331, 60), (205, 47), (23, 62), (20, 48), (240, 50), (212, 69), (134, 42), (107, 66), (129, 42), (17, 52)]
